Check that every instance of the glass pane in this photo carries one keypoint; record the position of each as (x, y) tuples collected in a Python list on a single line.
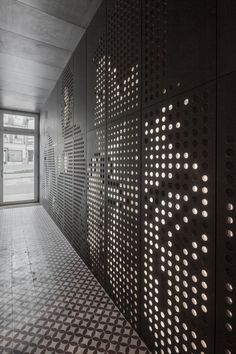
[(18, 121), (18, 168)]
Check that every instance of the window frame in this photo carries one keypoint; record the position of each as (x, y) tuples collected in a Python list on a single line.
[(20, 131)]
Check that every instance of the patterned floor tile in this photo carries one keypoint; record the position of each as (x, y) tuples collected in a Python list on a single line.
[(49, 300)]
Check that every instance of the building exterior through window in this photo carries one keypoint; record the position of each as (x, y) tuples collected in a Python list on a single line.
[(19, 161)]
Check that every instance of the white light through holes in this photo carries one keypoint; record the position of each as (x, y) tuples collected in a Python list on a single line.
[(66, 162), (229, 230), (100, 90), (96, 203), (99, 60), (123, 96), (67, 96), (176, 199), (123, 48), (123, 215)]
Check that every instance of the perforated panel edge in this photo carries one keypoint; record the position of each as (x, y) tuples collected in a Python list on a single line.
[(123, 215), (178, 216), (226, 230)]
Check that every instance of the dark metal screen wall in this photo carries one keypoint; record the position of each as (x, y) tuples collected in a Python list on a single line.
[(137, 167), (123, 215), (179, 222)]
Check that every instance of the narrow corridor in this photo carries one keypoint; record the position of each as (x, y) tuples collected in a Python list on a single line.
[(49, 300)]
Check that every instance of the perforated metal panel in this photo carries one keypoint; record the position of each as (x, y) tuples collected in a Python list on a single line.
[(123, 56), (47, 158), (79, 197), (96, 70), (68, 171), (58, 153), (50, 180), (80, 87), (123, 215), (59, 216), (96, 201), (65, 158), (226, 34), (130, 179), (179, 46), (179, 223), (51, 119), (67, 101), (42, 170), (226, 244)]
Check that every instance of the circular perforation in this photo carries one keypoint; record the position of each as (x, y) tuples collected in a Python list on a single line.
[(123, 57), (96, 203), (229, 234), (154, 58), (67, 99), (66, 178), (79, 197), (176, 224), (123, 215), (99, 60)]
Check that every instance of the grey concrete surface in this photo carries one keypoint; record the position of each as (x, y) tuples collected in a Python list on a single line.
[(37, 38)]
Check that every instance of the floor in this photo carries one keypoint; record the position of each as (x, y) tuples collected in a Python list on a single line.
[(49, 300)]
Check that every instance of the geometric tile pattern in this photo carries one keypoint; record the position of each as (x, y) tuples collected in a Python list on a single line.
[(49, 300)]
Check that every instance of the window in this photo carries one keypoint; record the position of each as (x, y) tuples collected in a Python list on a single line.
[(19, 157), (19, 122), (14, 156)]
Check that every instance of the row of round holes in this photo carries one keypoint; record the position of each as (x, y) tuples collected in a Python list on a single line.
[(96, 202), (123, 188), (229, 234), (205, 202)]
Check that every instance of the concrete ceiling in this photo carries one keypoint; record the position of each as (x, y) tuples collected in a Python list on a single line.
[(37, 38)]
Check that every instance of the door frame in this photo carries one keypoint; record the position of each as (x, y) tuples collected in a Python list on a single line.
[(20, 131)]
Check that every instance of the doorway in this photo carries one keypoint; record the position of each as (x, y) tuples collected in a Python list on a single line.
[(18, 157)]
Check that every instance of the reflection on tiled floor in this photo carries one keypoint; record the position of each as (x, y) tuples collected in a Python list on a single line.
[(49, 301)]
